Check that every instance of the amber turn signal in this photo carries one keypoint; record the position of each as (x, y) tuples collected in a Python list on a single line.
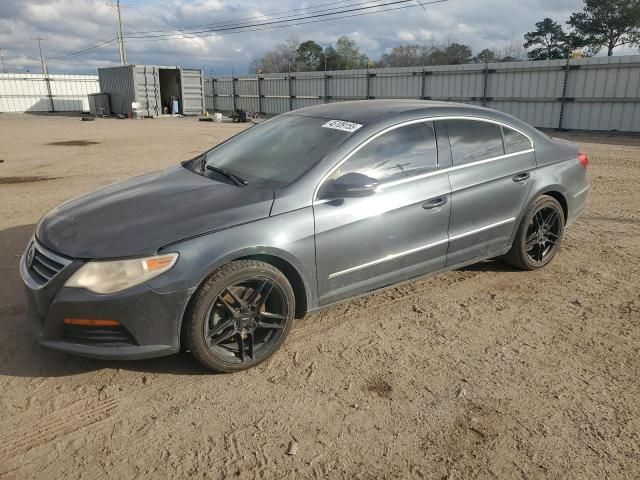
[(158, 263), (85, 322)]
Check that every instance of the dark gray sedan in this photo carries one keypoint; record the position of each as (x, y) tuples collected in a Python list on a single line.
[(220, 254)]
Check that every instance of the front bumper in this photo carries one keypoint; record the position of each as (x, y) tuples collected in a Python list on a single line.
[(150, 321)]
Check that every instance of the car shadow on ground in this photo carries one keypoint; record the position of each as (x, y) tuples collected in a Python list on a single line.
[(492, 265), (22, 356)]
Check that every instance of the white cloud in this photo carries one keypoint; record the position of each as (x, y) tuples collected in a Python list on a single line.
[(71, 25), (406, 36), (200, 9)]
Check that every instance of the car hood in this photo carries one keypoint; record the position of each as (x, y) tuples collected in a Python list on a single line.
[(142, 214)]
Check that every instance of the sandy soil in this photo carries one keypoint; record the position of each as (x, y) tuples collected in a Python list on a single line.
[(484, 372)]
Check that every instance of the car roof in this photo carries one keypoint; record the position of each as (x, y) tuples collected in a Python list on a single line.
[(372, 111)]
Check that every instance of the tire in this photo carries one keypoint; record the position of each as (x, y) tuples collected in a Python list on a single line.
[(240, 316), (535, 229)]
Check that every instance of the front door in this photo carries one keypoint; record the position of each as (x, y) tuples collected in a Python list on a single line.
[(398, 232)]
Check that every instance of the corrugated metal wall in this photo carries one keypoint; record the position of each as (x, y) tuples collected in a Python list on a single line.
[(585, 94), (31, 92), (192, 84), (147, 87), (118, 83)]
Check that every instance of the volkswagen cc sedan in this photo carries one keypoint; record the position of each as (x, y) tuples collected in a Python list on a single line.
[(220, 254)]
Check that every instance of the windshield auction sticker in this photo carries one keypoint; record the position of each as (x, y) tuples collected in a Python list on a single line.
[(342, 125)]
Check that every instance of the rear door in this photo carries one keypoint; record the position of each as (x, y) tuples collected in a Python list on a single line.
[(490, 181), (396, 233)]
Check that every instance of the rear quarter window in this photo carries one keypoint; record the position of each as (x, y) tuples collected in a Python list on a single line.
[(514, 142)]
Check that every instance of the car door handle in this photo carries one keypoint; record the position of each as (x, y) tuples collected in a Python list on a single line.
[(521, 177), (435, 203)]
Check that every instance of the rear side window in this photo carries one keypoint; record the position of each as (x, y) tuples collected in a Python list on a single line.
[(474, 140), (514, 141), (399, 153)]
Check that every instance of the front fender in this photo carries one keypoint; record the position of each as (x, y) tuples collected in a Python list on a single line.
[(289, 237)]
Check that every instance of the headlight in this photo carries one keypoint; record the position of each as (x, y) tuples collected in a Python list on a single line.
[(114, 276)]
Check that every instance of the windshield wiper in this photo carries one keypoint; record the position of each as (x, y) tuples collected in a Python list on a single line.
[(237, 179)]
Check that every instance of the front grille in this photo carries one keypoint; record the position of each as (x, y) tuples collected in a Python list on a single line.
[(105, 336), (43, 265)]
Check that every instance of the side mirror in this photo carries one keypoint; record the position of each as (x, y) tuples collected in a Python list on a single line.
[(351, 185)]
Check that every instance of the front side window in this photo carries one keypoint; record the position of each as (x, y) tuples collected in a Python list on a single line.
[(514, 142), (474, 140), (400, 153)]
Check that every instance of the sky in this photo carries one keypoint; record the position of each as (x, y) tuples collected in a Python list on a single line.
[(73, 25)]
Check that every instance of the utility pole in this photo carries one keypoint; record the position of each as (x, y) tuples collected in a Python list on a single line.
[(2, 57), (42, 62), (45, 73), (123, 52), (120, 48)]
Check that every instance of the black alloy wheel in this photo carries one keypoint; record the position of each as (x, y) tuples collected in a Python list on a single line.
[(539, 235), (240, 316), (239, 326), (543, 234)]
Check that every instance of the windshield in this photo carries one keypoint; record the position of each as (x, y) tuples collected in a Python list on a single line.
[(276, 152)]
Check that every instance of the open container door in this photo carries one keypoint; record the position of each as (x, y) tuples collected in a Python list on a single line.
[(192, 85), (147, 89)]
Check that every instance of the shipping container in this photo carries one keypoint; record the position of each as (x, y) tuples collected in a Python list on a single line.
[(155, 88)]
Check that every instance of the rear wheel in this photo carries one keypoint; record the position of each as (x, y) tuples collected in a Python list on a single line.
[(539, 235), (240, 316)]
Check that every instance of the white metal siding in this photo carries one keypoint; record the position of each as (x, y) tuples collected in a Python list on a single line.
[(28, 92), (601, 93)]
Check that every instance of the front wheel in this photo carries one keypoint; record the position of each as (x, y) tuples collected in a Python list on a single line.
[(539, 235), (240, 316)]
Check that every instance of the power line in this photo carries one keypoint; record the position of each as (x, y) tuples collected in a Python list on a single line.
[(272, 25), (105, 43), (246, 29), (226, 22), (283, 18), (340, 12), (84, 51)]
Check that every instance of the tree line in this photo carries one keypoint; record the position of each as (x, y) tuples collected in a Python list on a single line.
[(602, 24)]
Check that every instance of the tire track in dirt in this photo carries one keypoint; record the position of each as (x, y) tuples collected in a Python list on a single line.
[(58, 424), (54, 426), (84, 412), (143, 444)]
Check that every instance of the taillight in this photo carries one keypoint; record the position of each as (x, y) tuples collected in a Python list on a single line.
[(584, 160)]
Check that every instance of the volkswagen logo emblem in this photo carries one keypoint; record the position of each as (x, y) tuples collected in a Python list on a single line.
[(31, 252)]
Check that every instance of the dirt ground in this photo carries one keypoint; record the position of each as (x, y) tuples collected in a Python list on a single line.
[(485, 372)]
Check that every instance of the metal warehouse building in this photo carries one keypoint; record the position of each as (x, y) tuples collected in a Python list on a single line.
[(153, 87)]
